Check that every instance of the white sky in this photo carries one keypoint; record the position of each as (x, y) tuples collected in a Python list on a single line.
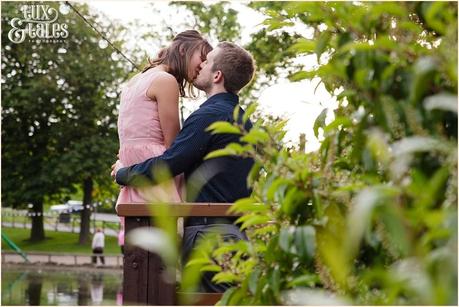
[(300, 102)]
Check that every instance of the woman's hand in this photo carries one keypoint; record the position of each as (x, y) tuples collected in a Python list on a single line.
[(115, 168)]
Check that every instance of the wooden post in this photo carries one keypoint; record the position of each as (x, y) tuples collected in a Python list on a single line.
[(142, 280), (302, 142)]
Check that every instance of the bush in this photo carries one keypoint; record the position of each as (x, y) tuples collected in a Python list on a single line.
[(371, 217)]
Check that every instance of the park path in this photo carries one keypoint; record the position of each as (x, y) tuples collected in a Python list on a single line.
[(68, 227), (111, 261), (60, 227)]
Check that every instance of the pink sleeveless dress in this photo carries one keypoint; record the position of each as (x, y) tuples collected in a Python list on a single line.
[(141, 138)]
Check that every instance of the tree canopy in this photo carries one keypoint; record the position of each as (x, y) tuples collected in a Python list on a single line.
[(59, 112)]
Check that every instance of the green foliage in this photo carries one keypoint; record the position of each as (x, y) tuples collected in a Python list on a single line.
[(215, 20), (371, 217)]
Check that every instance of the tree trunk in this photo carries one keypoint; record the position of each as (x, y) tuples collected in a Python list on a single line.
[(37, 232), (83, 290), (34, 290), (86, 212)]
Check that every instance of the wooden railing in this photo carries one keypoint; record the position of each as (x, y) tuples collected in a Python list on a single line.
[(142, 280)]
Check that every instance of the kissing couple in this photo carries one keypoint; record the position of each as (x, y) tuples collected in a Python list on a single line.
[(150, 136)]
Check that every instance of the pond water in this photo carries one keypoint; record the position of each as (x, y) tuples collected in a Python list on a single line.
[(60, 286)]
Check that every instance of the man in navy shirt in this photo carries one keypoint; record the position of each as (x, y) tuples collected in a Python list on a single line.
[(227, 69)]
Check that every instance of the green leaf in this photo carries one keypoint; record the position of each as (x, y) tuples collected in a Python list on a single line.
[(300, 7), (211, 268), (292, 200), (253, 281), (275, 186), (199, 262), (224, 277), (248, 205), (220, 153), (223, 127), (303, 46), (322, 43), (430, 193), (255, 135), (244, 218), (363, 77), (305, 241), (345, 94), (301, 75), (275, 281), (280, 125), (320, 122), (254, 173), (395, 230), (363, 206), (337, 122), (424, 70), (286, 238), (237, 148), (224, 301), (236, 110), (391, 8), (249, 111), (255, 220), (269, 228), (376, 143), (307, 280), (224, 249), (385, 43), (434, 15), (276, 23)]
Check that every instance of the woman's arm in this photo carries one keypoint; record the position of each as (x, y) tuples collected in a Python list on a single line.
[(165, 91)]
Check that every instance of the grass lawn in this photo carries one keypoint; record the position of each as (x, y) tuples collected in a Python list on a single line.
[(55, 242)]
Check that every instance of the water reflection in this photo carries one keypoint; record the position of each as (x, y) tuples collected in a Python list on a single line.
[(60, 286)]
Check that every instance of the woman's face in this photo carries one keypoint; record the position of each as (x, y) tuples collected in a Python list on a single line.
[(194, 65)]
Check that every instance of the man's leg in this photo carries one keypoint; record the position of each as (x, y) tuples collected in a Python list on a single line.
[(94, 257)]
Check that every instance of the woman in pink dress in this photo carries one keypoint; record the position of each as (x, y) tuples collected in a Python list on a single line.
[(148, 120)]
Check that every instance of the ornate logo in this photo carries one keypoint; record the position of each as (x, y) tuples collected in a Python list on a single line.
[(39, 23)]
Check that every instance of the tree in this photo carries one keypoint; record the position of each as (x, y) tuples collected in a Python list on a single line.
[(59, 112), (217, 21)]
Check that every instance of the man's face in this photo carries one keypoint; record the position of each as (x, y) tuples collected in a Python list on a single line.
[(204, 79)]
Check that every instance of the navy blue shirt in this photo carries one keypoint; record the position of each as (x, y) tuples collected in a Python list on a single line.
[(222, 179)]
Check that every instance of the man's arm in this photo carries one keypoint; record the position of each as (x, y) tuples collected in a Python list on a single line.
[(189, 147)]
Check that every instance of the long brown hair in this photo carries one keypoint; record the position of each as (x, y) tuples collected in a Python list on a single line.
[(178, 55)]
